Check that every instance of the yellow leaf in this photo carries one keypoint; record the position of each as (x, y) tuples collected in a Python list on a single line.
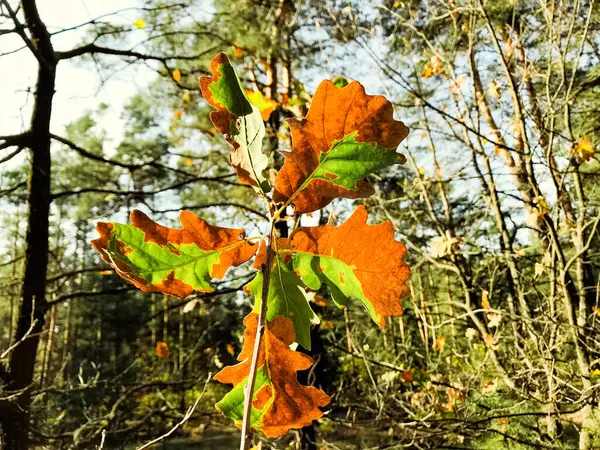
[(485, 303), (176, 75), (105, 272), (109, 197), (428, 71), (264, 104), (186, 97), (584, 149), (162, 350), (595, 373), (140, 24), (238, 52), (189, 162)]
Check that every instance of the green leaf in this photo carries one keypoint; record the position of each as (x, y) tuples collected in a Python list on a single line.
[(354, 260), (279, 401), (345, 136), (168, 260), (239, 121), (286, 298)]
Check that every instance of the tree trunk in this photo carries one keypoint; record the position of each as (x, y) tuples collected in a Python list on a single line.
[(14, 417)]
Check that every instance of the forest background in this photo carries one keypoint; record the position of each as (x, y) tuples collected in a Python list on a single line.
[(498, 205)]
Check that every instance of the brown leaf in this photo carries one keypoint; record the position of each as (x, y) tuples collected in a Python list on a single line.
[(280, 403), (362, 260), (174, 261), (336, 114)]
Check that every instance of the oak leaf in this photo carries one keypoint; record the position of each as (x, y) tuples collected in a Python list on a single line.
[(345, 136), (279, 402), (173, 261), (355, 260), (286, 297), (264, 104), (238, 120)]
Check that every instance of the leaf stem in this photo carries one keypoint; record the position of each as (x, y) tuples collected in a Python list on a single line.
[(246, 437)]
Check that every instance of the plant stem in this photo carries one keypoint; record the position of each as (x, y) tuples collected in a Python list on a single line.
[(246, 438)]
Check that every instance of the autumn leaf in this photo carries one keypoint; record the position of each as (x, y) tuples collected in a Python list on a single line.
[(427, 71), (173, 261), (264, 104), (176, 74), (439, 344), (354, 260), (162, 350), (279, 402), (140, 24), (345, 136), (286, 298), (238, 120), (584, 149), (485, 299)]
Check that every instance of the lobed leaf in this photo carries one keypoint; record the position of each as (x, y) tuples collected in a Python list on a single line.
[(279, 401), (345, 136), (355, 260), (238, 120), (173, 261), (286, 298), (264, 104)]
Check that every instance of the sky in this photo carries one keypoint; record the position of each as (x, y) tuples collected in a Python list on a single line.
[(78, 85)]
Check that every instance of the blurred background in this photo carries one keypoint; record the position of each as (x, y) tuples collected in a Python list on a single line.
[(498, 206)]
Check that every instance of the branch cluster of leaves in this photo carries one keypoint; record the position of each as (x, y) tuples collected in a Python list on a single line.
[(345, 136)]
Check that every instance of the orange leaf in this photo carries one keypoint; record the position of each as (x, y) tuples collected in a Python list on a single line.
[(439, 344), (174, 261), (230, 349), (279, 403), (355, 260), (162, 350), (176, 75), (584, 149), (428, 71), (346, 135), (408, 375)]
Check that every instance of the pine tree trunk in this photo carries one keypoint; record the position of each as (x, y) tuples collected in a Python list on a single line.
[(14, 417)]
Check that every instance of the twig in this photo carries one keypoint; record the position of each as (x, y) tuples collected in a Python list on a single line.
[(103, 440), (187, 416), (246, 437)]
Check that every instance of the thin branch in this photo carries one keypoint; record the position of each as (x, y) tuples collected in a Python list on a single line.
[(187, 416), (92, 49), (220, 179)]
